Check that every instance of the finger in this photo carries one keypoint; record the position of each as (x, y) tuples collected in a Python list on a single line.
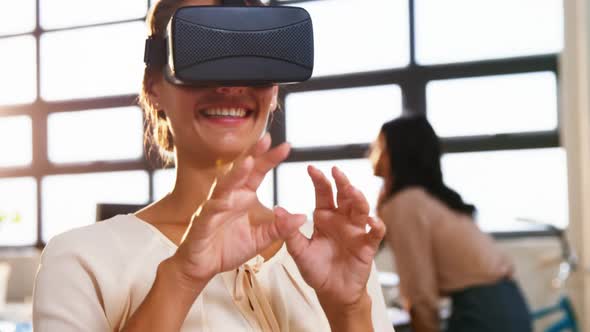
[(236, 178), (377, 231), (296, 242), (287, 223), (217, 212), (360, 206), (324, 197), (265, 162), (282, 228), (207, 218), (261, 146), (345, 190)]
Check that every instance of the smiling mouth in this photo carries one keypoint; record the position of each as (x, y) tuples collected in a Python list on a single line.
[(226, 113)]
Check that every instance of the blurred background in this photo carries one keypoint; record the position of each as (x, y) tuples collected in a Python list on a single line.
[(503, 82)]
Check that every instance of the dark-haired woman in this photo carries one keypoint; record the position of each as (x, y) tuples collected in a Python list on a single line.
[(439, 250)]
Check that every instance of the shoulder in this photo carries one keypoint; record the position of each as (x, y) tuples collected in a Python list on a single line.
[(411, 195), (105, 238), (410, 202), (81, 280)]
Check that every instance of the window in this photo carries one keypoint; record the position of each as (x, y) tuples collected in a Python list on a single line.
[(490, 91), (108, 134), (18, 211), (57, 14), (463, 30), (70, 135), (349, 35), (358, 111), (493, 104), (297, 194), (70, 200), (18, 68), (16, 135), (511, 187), (19, 18), (95, 57)]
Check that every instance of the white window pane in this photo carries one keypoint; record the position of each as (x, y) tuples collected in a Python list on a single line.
[(164, 183), (18, 66), (296, 192), (354, 36), (493, 104), (19, 17), (66, 13), (91, 62), (18, 211), (358, 112), (265, 191), (16, 145), (467, 30), (69, 201), (510, 185), (80, 136)]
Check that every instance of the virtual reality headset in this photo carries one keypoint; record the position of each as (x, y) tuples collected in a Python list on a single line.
[(234, 45)]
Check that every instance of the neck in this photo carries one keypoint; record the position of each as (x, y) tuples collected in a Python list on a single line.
[(192, 188)]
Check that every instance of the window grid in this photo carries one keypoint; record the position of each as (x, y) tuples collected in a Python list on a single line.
[(411, 79)]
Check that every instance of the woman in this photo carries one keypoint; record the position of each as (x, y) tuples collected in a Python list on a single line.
[(209, 256), (438, 248)]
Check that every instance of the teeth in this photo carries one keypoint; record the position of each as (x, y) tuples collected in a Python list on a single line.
[(231, 112)]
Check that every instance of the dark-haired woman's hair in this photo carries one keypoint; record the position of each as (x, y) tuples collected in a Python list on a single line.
[(414, 151)]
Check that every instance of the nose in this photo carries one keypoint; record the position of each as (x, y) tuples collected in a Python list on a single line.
[(231, 90)]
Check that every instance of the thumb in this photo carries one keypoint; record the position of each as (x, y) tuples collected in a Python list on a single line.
[(289, 225), (284, 225)]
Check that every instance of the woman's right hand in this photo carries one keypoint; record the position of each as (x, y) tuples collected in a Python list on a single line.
[(222, 236)]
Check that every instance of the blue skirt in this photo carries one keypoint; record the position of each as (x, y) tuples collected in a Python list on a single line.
[(498, 307)]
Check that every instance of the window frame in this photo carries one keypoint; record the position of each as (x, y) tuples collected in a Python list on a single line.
[(411, 79)]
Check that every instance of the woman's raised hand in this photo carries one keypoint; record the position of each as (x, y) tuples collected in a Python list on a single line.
[(337, 260), (221, 236)]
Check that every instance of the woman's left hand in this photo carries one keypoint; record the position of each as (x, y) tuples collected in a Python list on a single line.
[(337, 260)]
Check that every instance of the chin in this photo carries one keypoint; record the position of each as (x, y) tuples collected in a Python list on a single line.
[(229, 152)]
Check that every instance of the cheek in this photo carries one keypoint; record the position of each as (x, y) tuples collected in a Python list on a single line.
[(178, 105), (268, 98)]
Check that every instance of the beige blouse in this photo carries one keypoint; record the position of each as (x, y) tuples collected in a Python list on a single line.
[(437, 251), (94, 278)]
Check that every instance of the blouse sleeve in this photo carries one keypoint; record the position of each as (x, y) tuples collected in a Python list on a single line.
[(408, 234), (66, 296)]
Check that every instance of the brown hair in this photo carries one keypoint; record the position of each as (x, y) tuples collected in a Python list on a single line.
[(157, 132)]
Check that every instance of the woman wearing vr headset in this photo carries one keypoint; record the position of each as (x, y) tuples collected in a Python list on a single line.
[(437, 245), (209, 256)]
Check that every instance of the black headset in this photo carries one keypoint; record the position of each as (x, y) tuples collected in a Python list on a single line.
[(234, 2)]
